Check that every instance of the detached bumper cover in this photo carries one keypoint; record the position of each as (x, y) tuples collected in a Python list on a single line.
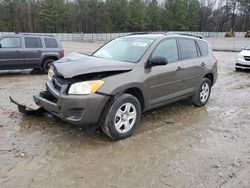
[(27, 110), (75, 109)]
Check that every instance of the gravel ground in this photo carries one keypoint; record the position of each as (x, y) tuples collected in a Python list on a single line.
[(175, 146)]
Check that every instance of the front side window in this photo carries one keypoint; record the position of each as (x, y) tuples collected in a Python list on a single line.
[(129, 49), (168, 49), (31, 42), (11, 42), (50, 43), (188, 49)]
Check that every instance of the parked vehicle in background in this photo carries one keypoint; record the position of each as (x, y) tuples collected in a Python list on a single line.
[(126, 77), (26, 51), (243, 59)]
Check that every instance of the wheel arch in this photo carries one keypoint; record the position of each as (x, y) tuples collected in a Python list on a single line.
[(210, 76), (136, 92), (53, 57)]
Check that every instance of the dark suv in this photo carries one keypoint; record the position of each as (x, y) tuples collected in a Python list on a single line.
[(126, 77), (26, 51)]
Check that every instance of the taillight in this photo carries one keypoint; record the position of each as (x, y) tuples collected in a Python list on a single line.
[(62, 53), (214, 58)]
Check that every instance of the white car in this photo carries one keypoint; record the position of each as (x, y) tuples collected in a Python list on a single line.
[(243, 59)]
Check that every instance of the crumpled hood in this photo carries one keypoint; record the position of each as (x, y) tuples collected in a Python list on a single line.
[(76, 64)]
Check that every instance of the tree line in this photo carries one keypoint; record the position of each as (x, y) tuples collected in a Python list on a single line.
[(93, 16)]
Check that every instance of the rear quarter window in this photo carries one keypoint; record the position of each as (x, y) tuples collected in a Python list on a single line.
[(203, 47), (50, 43), (31, 42), (188, 49)]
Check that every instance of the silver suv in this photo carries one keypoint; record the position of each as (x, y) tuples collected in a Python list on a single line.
[(26, 51)]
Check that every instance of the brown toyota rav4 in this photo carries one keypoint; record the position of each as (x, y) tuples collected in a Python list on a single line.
[(128, 76)]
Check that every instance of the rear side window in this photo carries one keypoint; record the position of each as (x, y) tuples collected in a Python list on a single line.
[(51, 43), (31, 42), (11, 42), (188, 49), (203, 47), (168, 49)]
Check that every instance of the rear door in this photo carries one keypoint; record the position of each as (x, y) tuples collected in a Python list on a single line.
[(165, 82), (11, 53), (192, 64), (33, 52)]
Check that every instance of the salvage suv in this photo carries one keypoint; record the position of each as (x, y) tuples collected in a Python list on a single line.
[(27, 51), (126, 77)]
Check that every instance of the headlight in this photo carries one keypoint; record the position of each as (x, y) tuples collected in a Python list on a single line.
[(85, 88), (50, 73), (240, 57)]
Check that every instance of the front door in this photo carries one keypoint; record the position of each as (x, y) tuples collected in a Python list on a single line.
[(11, 53), (165, 82)]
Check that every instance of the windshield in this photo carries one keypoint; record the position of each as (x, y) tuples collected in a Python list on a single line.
[(129, 49), (247, 47)]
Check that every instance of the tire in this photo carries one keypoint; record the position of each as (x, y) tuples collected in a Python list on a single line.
[(238, 69), (46, 64), (122, 117), (201, 97)]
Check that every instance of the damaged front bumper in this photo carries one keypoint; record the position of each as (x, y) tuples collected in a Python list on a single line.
[(74, 109), (27, 110)]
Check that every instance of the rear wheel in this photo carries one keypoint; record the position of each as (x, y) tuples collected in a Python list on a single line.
[(122, 117), (46, 65), (201, 97)]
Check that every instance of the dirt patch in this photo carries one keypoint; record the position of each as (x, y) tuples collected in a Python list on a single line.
[(175, 146)]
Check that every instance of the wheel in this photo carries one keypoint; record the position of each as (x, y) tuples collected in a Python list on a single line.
[(47, 64), (201, 97), (122, 117), (237, 69)]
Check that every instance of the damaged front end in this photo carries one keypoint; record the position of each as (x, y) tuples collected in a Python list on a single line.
[(73, 91)]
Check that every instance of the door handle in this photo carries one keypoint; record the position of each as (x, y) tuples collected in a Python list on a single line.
[(179, 69), (203, 64)]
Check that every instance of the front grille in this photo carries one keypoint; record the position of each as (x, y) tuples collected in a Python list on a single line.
[(238, 64), (47, 95), (57, 83), (247, 58)]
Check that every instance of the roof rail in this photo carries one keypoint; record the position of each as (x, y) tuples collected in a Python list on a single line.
[(36, 34), (186, 34), (141, 33)]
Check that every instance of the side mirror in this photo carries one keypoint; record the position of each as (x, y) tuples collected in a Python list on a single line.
[(0, 45), (157, 61), (242, 48)]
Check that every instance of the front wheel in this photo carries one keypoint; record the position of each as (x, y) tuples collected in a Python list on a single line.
[(122, 118), (201, 97)]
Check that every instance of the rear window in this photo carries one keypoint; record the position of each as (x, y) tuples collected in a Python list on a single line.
[(51, 43), (31, 42), (188, 49), (203, 47)]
